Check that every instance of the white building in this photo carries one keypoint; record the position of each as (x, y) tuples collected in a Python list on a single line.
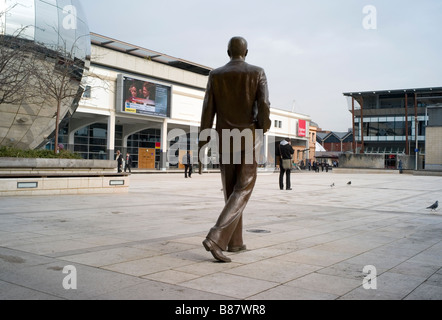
[(108, 119)]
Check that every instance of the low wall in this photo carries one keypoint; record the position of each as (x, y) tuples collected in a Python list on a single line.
[(373, 161), (14, 165), (60, 176), (363, 171), (357, 161)]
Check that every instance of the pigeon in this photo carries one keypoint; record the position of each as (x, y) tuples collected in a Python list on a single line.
[(349, 183), (332, 185), (434, 206)]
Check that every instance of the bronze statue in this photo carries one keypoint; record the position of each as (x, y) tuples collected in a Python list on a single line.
[(237, 94)]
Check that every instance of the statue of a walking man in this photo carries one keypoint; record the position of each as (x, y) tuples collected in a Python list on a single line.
[(237, 95)]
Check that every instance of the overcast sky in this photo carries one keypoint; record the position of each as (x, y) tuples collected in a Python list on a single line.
[(312, 51)]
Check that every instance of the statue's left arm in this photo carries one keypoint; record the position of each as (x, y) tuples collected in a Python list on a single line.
[(263, 103), (207, 116)]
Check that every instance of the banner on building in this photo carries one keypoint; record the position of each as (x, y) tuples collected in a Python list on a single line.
[(302, 128)]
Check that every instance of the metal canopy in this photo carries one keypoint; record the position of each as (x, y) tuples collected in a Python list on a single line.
[(151, 55), (430, 91)]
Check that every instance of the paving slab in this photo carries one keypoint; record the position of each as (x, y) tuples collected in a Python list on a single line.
[(311, 243)]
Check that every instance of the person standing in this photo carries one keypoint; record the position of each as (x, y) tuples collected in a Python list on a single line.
[(119, 159), (187, 162), (286, 153), (128, 164), (237, 94)]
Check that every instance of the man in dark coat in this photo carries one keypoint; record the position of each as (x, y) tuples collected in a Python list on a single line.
[(187, 162), (237, 94), (119, 159), (285, 152), (128, 163)]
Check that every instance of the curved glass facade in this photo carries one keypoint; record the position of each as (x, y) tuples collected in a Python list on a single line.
[(55, 32), (59, 25)]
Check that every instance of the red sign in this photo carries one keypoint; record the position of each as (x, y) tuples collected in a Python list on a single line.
[(157, 145), (302, 128)]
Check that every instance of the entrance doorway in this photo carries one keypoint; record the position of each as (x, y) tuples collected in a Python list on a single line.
[(390, 161)]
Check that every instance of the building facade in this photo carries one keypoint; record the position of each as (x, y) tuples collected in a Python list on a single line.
[(393, 122), (336, 141), (433, 143)]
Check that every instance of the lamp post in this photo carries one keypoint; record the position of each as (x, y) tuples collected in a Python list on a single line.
[(416, 130)]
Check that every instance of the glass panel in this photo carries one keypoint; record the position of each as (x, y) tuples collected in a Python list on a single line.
[(357, 131), (422, 128), (83, 40), (46, 23), (98, 156), (98, 142), (81, 148), (365, 129), (374, 129), (20, 18), (67, 23), (370, 102), (84, 132), (400, 128), (97, 149), (386, 129), (99, 133), (78, 140)]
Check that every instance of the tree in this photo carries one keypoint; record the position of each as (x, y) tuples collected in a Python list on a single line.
[(58, 76), (15, 66)]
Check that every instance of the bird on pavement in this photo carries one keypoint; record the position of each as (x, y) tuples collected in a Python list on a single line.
[(332, 185), (434, 206), (349, 183)]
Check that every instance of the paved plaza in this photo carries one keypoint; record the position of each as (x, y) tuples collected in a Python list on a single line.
[(373, 239)]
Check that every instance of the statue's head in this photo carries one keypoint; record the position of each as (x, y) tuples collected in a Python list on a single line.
[(237, 48)]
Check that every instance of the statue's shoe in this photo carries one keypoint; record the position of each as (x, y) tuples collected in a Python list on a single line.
[(215, 251), (237, 248)]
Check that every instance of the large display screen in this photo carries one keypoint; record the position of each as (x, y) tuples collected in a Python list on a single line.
[(145, 97)]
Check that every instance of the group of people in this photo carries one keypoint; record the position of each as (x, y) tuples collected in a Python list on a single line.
[(318, 166), (124, 164)]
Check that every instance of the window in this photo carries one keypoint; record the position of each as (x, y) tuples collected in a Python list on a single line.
[(87, 92), (357, 131), (91, 142)]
